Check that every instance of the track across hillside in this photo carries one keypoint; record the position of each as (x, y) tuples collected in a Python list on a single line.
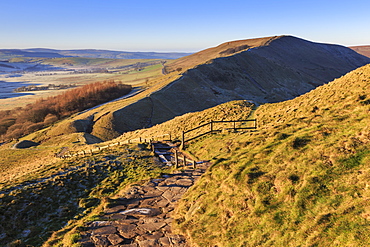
[(141, 216)]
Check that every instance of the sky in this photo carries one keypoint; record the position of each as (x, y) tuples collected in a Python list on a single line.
[(177, 25)]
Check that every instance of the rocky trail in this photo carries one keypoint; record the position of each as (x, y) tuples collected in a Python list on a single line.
[(142, 215)]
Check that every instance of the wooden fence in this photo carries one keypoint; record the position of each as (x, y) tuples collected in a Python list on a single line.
[(99, 148), (214, 126)]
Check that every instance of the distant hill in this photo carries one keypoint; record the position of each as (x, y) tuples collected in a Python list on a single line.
[(51, 53), (12, 53), (364, 50), (262, 70)]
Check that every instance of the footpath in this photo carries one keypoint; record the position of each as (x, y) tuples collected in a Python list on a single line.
[(142, 216)]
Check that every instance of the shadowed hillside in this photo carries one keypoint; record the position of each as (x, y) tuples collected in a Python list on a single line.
[(301, 180), (283, 69)]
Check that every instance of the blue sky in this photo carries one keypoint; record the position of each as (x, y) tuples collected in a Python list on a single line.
[(177, 25)]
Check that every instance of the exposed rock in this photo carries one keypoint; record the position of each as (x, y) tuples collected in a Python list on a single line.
[(142, 211), (151, 227), (127, 231), (101, 241), (106, 230), (115, 239)]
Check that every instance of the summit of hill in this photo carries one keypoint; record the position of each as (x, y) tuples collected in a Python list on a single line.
[(222, 50)]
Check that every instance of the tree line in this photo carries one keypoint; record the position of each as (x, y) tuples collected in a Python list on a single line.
[(25, 120)]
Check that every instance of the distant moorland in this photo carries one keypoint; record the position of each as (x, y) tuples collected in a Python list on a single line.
[(364, 50), (90, 53)]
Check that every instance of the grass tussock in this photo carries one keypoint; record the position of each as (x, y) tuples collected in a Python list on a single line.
[(301, 180)]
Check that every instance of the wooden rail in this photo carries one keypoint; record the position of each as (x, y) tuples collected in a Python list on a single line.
[(213, 128), (99, 148)]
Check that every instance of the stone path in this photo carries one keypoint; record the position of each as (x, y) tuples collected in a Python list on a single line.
[(142, 218)]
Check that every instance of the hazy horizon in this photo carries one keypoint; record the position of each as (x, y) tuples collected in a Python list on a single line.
[(180, 26)]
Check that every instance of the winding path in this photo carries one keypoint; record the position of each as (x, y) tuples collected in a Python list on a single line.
[(142, 217)]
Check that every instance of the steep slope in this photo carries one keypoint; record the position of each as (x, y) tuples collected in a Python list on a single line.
[(283, 69), (301, 180), (364, 50), (262, 70)]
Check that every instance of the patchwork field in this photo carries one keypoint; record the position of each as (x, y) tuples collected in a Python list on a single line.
[(68, 71)]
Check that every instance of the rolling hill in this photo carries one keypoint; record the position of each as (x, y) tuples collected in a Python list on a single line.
[(261, 70), (364, 50)]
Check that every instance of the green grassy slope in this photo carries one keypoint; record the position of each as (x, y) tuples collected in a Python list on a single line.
[(301, 180)]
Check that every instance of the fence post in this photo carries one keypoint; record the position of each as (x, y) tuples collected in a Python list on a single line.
[(194, 164), (183, 141), (184, 161), (234, 126), (140, 139), (176, 159), (211, 124)]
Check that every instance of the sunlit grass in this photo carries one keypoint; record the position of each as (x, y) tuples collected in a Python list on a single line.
[(298, 181)]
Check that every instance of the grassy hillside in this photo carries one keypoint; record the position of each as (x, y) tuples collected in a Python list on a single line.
[(233, 110), (91, 180), (63, 195), (301, 180), (280, 68)]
